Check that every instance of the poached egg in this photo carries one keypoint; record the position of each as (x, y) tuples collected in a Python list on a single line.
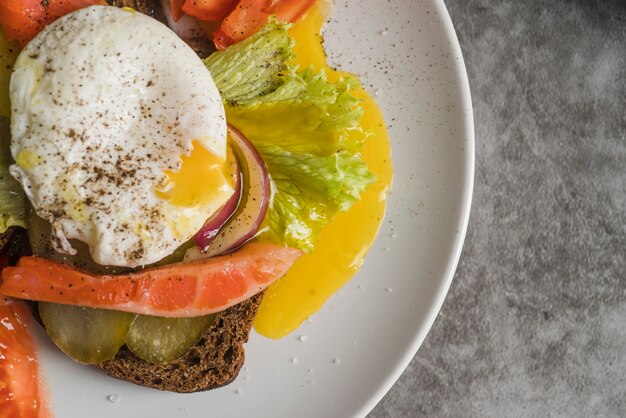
[(118, 134)]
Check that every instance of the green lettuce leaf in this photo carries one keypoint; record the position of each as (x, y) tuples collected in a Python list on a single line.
[(254, 67), (306, 111), (302, 124), (12, 199), (310, 190)]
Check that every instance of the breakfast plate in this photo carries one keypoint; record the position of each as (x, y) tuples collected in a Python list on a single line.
[(341, 361)]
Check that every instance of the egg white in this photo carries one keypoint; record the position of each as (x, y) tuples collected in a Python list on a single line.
[(104, 102)]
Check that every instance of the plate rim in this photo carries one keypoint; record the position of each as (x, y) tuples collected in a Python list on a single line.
[(466, 203)]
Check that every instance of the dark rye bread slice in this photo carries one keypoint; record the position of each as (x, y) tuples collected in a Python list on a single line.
[(215, 361)]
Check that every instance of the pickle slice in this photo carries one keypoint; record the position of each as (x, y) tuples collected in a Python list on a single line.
[(158, 340), (87, 335)]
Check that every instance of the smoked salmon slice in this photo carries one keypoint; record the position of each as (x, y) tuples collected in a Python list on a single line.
[(186, 289)]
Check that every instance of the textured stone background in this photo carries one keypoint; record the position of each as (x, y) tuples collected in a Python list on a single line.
[(535, 321)]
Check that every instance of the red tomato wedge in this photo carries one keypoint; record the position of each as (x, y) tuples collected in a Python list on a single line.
[(19, 20), (250, 15), (188, 289), (209, 9), (245, 20), (20, 392), (289, 10), (22, 20), (58, 8), (177, 9)]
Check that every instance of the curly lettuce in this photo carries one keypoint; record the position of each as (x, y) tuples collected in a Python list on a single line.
[(301, 124), (261, 88), (310, 190), (254, 67)]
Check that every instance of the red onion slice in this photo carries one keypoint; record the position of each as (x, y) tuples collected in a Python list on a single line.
[(247, 218), (209, 231)]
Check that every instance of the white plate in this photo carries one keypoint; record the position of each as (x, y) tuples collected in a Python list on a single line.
[(356, 347)]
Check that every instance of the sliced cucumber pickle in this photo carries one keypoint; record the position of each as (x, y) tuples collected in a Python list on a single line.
[(159, 340), (87, 335)]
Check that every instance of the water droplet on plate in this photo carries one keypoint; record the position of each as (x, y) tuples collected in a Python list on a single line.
[(113, 397), (336, 361), (294, 360)]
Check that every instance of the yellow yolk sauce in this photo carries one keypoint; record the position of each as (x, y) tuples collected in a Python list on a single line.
[(344, 242), (184, 189)]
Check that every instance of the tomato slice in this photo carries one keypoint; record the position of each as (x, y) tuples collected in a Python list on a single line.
[(289, 10), (18, 22), (243, 21), (58, 8), (250, 15), (22, 20), (177, 9), (209, 9), (20, 394)]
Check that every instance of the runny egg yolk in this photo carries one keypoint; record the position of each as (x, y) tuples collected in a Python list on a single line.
[(344, 242), (201, 174)]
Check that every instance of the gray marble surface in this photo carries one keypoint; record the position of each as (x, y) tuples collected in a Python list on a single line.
[(535, 321)]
